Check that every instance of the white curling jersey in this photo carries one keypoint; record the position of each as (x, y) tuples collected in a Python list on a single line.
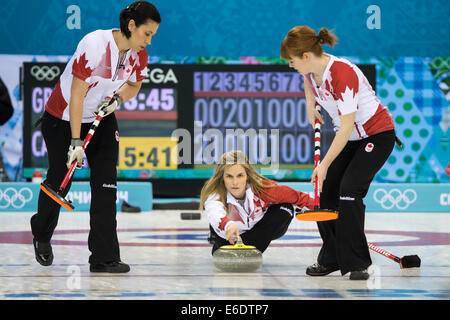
[(96, 61), (344, 90)]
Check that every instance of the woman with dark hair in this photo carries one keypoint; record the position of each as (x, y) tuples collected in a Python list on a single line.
[(107, 69), (364, 140), (239, 202)]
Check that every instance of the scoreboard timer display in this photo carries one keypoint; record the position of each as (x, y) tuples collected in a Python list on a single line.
[(260, 109), (260, 100)]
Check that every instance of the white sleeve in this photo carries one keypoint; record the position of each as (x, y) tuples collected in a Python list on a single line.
[(346, 87), (217, 215), (86, 57)]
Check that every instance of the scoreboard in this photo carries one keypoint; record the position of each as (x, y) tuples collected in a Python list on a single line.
[(187, 115), (268, 102)]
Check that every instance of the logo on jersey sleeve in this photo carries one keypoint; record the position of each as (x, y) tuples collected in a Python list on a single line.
[(80, 68), (344, 81)]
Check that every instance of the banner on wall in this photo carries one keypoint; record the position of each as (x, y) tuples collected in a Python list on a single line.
[(17, 196), (402, 27), (398, 197)]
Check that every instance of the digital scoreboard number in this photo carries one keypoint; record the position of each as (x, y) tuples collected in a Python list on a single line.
[(259, 109), (147, 153), (270, 108)]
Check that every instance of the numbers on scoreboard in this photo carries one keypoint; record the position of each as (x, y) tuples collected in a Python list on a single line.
[(155, 99), (248, 82), (287, 113), (147, 153), (152, 158)]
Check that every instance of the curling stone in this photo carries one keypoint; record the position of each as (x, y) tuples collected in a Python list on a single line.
[(237, 258)]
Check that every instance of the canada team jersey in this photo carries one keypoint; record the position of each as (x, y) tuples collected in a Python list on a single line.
[(345, 90), (96, 61), (255, 206)]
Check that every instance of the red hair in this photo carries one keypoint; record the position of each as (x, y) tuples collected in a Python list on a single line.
[(303, 39)]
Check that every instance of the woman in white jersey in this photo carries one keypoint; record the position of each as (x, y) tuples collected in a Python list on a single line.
[(239, 202), (106, 63), (364, 139)]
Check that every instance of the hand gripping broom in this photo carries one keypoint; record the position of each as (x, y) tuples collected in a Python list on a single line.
[(56, 195)]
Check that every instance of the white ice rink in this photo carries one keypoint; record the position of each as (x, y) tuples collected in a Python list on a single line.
[(171, 259)]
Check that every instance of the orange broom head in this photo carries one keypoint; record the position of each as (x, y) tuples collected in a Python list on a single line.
[(56, 197), (317, 215)]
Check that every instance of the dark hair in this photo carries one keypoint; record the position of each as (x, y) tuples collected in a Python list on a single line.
[(140, 12), (302, 39)]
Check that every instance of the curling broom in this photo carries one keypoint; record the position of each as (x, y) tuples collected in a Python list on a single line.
[(405, 262), (57, 195), (317, 214)]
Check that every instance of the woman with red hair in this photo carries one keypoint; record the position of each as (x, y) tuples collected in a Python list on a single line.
[(364, 140)]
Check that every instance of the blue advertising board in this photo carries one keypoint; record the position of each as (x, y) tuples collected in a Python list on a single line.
[(399, 197), (17, 196)]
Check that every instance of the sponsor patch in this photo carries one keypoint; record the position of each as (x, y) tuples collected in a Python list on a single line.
[(111, 186)]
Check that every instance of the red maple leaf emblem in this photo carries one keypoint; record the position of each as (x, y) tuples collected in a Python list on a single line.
[(344, 80), (80, 68), (132, 61)]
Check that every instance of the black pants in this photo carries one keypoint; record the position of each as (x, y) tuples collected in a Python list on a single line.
[(346, 184), (102, 155), (272, 226)]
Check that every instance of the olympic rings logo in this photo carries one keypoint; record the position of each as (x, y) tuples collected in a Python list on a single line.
[(395, 198), (15, 198), (45, 72)]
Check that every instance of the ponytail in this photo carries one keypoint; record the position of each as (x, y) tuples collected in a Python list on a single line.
[(326, 37), (303, 39)]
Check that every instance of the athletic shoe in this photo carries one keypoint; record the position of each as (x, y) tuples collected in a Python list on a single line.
[(43, 252), (359, 275), (319, 270), (126, 207), (110, 267)]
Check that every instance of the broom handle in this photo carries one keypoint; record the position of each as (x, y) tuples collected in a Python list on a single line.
[(316, 159), (88, 138), (383, 252)]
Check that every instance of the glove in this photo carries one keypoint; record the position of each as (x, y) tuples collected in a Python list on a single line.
[(298, 210), (108, 104), (293, 209), (75, 153)]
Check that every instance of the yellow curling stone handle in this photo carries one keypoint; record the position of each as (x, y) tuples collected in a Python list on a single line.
[(239, 245)]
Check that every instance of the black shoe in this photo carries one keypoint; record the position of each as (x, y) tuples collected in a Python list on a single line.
[(126, 207), (359, 275), (212, 238), (319, 270), (43, 252), (110, 267)]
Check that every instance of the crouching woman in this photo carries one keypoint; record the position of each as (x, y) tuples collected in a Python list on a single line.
[(241, 203)]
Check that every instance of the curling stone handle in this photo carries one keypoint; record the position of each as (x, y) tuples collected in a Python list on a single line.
[(238, 240)]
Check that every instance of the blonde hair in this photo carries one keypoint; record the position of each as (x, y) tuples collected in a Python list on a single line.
[(303, 39), (216, 185)]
